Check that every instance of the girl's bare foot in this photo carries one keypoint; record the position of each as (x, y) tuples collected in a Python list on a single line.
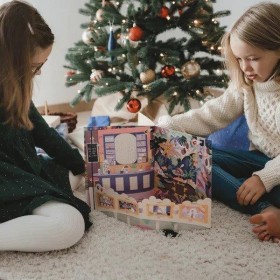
[(267, 224)]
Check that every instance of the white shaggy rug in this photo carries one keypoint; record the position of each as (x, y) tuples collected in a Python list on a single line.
[(112, 250)]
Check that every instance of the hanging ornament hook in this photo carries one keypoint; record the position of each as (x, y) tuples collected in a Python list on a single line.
[(111, 24), (112, 41)]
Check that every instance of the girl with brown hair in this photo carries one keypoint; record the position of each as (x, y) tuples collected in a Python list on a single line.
[(38, 211)]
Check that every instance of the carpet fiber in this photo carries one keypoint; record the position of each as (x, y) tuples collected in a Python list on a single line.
[(112, 250)]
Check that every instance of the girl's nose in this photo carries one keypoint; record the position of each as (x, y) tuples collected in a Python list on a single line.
[(245, 66)]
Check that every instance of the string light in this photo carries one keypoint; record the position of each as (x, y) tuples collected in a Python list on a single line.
[(146, 87), (218, 71), (214, 21)]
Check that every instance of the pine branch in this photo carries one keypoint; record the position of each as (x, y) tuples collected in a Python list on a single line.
[(124, 66)]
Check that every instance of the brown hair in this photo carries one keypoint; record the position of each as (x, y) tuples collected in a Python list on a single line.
[(22, 30), (258, 27)]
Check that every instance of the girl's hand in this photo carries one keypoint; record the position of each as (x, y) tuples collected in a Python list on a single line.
[(250, 191)]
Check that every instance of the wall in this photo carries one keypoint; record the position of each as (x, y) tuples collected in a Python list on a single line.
[(237, 8), (64, 19)]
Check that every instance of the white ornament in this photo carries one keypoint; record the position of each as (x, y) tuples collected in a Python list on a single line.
[(96, 75), (99, 15), (87, 37)]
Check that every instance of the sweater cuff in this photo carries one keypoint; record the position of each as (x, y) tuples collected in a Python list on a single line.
[(77, 163), (165, 122), (269, 179)]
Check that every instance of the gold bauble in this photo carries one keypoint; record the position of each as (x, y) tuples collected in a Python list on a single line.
[(147, 76), (190, 69)]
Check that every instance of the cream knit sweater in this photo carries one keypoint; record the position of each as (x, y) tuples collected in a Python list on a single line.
[(261, 107)]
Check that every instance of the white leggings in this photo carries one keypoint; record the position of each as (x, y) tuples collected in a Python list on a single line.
[(52, 226)]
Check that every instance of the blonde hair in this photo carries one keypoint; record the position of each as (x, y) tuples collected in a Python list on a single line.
[(22, 30), (259, 27)]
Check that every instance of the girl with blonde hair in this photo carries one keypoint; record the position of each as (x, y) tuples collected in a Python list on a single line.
[(248, 181)]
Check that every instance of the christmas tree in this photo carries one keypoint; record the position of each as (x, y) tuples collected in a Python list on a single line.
[(122, 51)]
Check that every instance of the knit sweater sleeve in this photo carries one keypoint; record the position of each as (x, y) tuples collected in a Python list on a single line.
[(270, 174), (213, 115)]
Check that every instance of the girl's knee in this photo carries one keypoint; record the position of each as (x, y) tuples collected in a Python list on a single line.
[(72, 227), (67, 222)]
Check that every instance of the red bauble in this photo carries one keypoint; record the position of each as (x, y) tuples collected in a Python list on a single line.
[(183, 6), (133, 105), (70, 73), (164, 12), (135, 33), (167, 71), (180, 11), (101, 49)]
